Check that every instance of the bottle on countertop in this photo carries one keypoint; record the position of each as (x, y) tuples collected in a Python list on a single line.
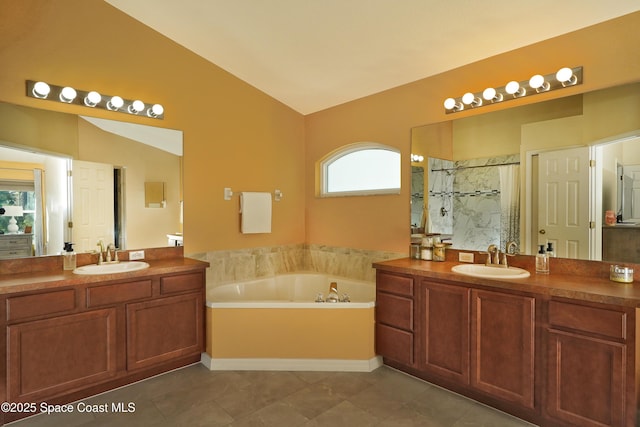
[(542, 261), (68, 257), (550, 252), (333, 293)]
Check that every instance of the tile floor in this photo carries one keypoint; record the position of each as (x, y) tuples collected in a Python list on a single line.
[(195, 396)]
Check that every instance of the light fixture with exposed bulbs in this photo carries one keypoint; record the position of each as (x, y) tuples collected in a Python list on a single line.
[(538, 83), (92, 99)]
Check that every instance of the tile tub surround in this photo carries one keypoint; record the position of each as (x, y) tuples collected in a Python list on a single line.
[(240, 265)]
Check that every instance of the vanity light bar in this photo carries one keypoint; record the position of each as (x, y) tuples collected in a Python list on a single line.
[(93, 99), (565, 77)]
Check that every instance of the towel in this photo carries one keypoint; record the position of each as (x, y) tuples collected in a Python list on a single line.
[(255, 212)]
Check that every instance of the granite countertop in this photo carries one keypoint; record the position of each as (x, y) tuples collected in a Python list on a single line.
[(29, 281), (556, 284)]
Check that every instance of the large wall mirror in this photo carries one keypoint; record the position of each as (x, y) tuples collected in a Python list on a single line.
[(540, 173), (82, 179)]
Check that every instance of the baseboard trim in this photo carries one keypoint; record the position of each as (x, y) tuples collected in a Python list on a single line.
[(334, 365)]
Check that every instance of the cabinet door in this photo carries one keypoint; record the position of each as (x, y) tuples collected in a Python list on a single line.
[(164, 329), (502, 346), (444, 329), (585, 380), (47, 357)]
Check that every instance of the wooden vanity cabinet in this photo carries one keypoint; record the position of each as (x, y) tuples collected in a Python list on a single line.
[(69, 343), (552, 361), (395, 339), (481, 339), (503, 346), (444, 330), (590, 366)]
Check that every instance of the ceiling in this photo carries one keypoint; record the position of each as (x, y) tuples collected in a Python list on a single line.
[(315, 54)]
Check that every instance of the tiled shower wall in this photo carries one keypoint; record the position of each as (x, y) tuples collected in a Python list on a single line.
[(247, 264)]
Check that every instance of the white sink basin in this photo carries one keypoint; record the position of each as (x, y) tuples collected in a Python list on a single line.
[(120, 267), (480, 270)]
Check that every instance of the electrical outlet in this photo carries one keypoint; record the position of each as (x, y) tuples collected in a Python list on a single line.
[(136, 255), (465, 257)]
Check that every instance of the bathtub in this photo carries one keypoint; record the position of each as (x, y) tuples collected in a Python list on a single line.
[(275, 324)]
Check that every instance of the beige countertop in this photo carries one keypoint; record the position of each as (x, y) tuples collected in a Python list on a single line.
[(591, 288)]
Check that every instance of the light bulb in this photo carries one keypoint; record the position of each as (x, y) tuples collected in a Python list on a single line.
[(468, 98), (136, 107), (92, 99), (449, 103), (115, 103), (490, 94), (68, 94), (538, 83), (155, 111), (566, 77), (41, 90), (513, 88)]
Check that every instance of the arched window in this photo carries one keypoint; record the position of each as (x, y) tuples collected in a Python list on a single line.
[(361, 169)]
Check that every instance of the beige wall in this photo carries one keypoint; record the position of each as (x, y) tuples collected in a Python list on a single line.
[(236, 136), (608, 53)]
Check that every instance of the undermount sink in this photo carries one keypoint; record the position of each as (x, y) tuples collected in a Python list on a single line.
[(490, 272), (120, 267)]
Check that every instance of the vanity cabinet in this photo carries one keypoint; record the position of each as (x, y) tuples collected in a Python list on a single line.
[(551, 360), (444, 326), (502, 346), (395, 339), (48, 357), (482, 339), (72, 342), (590, 367)]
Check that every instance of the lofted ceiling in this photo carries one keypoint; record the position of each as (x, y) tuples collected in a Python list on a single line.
[(315, 54)]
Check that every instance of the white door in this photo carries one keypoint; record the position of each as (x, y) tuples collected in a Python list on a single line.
[(92, 205), (563, 201)]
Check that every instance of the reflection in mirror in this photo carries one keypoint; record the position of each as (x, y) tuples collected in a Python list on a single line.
[(598, 121), (105, 157), (630, 192), (154, 195), (475, 203), (418, 216)]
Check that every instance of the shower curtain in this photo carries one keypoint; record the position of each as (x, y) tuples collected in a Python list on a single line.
[(509, 204)]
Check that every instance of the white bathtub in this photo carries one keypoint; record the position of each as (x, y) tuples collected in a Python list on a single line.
[(275, 324), (296, 290)]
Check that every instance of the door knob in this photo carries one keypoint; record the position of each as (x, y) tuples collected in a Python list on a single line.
[(542, 231)]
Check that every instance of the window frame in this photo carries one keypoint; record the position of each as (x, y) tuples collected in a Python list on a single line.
[(350, 149)]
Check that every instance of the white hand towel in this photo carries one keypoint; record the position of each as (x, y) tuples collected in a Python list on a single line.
[(255, 212)]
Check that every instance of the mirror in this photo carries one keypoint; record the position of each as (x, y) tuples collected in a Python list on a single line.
[(104, 195), (521, 135)]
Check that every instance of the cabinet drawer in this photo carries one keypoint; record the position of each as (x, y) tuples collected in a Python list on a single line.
[(402, 285), (47, 303), (394, 311), (119, 292), (593, 320), (181, 283), (394, 344)]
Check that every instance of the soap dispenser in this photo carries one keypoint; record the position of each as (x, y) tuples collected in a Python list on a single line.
[(69, 257), (550, 251), (542, 261)]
